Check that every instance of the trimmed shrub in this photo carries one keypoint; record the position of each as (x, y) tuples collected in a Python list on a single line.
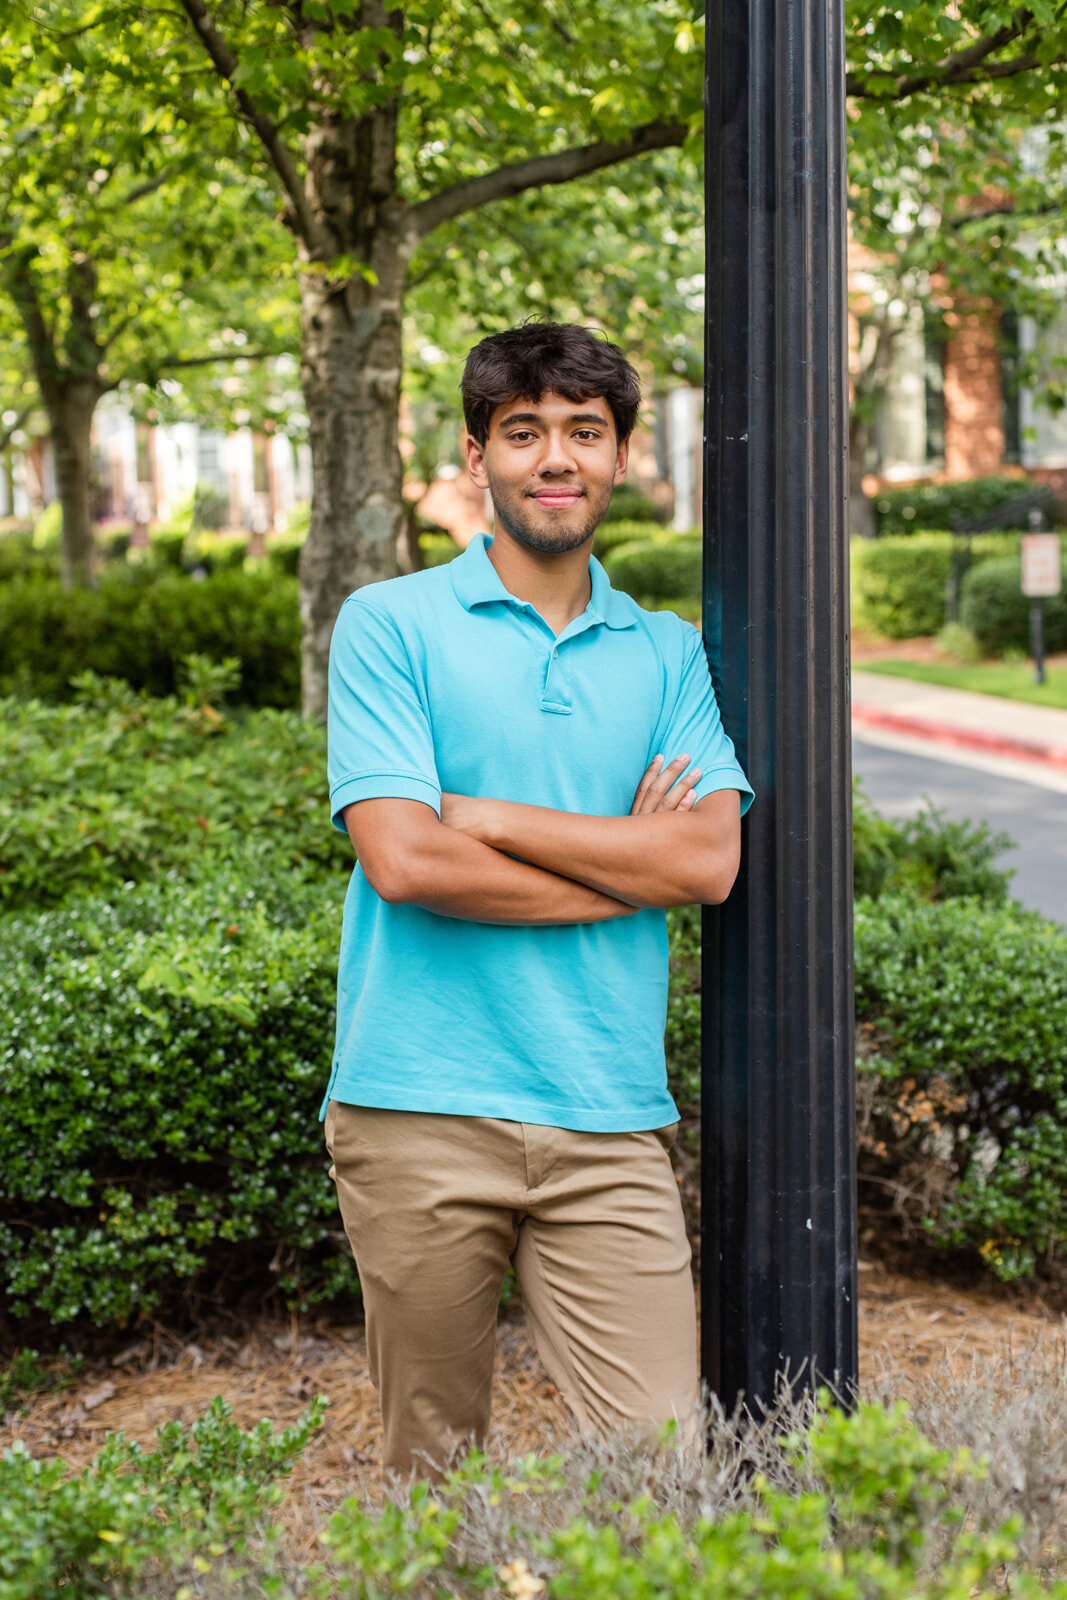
[(20, 558), (283, 552), (630, 504), (898, 584), (939, 505), (138, 626), (928, 855), (997, 612), (664, 570), (962, 1008), (165, 1049), (610, 535), (215, 552), (438, 549), (118, 788)]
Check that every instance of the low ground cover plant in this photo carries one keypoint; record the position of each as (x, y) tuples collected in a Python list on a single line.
[(196, 1506), (797, 1501)]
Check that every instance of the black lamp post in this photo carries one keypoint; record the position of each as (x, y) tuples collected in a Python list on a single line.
[(779, 1232)]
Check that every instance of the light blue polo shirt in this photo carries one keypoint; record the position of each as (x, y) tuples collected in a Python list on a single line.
[(444, 680)]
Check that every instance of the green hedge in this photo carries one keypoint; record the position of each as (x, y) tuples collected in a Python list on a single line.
[(630, 504), (165, 1049), (939, 505), (667, 569), (997, 612), (139, 626), (119, 788), (963, 1015), (898, 584)]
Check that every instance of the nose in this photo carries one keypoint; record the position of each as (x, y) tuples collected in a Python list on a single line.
[(557, 455)]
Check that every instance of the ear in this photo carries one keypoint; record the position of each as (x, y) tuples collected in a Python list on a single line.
[(476, 463), (621, 461)]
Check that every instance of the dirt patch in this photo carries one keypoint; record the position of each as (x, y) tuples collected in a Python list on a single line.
[(907, 1326)]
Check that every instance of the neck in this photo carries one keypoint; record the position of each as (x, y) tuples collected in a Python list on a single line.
[(557, 585)]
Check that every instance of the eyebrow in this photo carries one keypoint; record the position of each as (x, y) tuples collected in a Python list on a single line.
[(534, 416)]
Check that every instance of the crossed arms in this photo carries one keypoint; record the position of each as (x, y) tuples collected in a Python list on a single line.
[(574, 868)]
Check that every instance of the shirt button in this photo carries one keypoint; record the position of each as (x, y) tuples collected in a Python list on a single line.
[(555, 653)]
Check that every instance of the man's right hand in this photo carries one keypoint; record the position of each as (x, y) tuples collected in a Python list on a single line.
[(663, 788)]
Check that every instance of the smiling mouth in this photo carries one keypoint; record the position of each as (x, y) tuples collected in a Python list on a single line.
[(558, 498)]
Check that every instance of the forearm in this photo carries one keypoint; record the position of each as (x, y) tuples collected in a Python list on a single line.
[(456, 875), (659, 859)]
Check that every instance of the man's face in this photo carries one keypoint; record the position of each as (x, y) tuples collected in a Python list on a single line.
[(550, 466)]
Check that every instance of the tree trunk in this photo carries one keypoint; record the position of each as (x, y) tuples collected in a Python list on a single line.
[(70, 410), (351, 380), (862, 521)]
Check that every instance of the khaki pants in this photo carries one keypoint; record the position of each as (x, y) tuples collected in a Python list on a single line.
[(436, 1206)]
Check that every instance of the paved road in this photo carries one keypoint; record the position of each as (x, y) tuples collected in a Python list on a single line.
[(1035, 817)]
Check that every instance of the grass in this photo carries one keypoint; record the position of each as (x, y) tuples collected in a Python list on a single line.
[(1009, 680)]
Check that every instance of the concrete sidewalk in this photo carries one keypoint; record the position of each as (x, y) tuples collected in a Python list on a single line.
[(959, 719)]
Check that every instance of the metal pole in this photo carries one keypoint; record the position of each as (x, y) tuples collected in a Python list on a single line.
[(1037, 638), (779, 1199)]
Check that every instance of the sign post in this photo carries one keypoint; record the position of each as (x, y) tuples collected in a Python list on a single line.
[(1042, 575), (779, 1200)]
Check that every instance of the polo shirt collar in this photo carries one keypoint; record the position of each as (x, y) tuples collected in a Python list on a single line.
[(477, 582)]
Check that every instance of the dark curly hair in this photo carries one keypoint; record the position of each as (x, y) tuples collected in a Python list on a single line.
[(541, 358)]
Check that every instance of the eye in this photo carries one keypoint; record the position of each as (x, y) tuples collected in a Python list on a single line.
[(587, 433), (520, 436)]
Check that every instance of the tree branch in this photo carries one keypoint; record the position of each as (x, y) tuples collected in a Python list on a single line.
[(560, 167), (223, 355), (281, 157), (965, 66), (9, 433)]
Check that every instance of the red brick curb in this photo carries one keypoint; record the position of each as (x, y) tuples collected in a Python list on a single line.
[(998, 744)]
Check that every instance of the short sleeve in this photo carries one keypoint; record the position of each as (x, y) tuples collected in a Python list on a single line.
[(694, 725), (380, 745)]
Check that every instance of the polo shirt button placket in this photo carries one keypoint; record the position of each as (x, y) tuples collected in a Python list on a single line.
[(552, 698)]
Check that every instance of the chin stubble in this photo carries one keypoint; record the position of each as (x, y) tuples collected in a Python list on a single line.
[(548, 543)]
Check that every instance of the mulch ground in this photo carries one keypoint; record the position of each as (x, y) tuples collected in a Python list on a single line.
[(906, 1327)]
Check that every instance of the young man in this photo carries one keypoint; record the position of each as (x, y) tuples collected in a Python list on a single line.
[(530, 768)]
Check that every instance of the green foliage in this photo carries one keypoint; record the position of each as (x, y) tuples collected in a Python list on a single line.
[(940, 505), (199, 1500), (138, 626), (283, 551), (829, 1507), (666, 570), (630, 504), (610, 535), (963, 1013), (858, 1504), (210, 508), (19, 558), (898, 583), (438, 549), (927, 854), (165, 1050), (215, 552), (682, 1036), (48, 527), (118, 788), (997, 612)]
